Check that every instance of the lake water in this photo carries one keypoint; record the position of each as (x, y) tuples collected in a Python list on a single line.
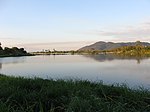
[(109, 69)]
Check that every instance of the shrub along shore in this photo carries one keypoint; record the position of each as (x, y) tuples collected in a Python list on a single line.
[(19, 94), (13, 52)]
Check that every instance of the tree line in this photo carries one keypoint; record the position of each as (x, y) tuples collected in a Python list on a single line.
[(14, 51)]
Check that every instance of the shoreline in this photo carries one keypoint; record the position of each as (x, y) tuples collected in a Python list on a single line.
[(3, 56)]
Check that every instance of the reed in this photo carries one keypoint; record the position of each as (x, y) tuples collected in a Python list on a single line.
[(18, 94)]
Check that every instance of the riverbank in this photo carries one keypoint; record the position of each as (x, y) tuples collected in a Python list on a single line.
[(39, 95)]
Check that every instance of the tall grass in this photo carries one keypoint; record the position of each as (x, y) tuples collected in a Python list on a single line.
[(39, 95)]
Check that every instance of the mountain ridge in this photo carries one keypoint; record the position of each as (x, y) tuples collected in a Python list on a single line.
[(102, 45)]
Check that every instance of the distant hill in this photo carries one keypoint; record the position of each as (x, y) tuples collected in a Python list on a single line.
[(101, 45)]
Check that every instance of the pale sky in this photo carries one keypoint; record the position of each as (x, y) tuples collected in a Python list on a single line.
[(71, 24)]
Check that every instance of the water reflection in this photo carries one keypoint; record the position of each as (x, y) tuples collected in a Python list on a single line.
[(0, 65), (109, 68), (111, 57), (12, 60)]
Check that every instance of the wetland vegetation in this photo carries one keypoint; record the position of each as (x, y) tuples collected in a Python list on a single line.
[(19, 94)]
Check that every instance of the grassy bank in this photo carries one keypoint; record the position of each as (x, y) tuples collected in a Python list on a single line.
[(39, 95)]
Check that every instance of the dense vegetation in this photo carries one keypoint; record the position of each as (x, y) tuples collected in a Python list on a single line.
[(132, 50), (39, 95), (6, 52)]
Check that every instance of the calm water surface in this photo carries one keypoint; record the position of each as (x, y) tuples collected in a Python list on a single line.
[(109, 69)]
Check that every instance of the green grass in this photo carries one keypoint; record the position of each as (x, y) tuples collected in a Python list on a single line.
[(39, 95)]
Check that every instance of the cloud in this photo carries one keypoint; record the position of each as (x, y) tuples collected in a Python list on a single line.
[(146, 23), (7, 38), (139, 32)]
